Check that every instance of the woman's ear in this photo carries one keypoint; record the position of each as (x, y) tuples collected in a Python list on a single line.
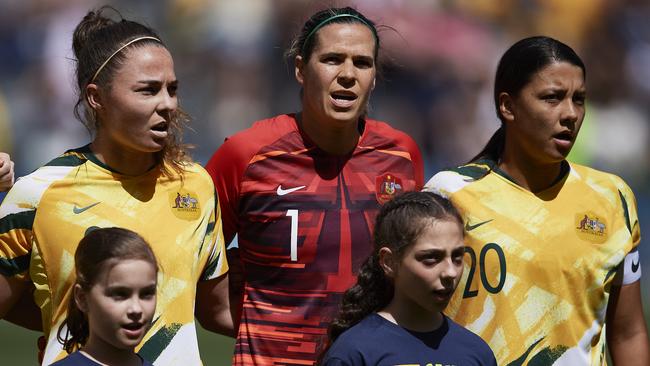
[(506, 107), (300, 68), (387, 262), (80, 298), (93, 97)]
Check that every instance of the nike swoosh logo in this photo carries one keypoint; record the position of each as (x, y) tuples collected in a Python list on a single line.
[(469, 227), (78, 210), (282, 192), (635, 266)]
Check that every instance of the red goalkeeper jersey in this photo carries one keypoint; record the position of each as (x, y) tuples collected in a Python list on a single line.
[(301, 223)]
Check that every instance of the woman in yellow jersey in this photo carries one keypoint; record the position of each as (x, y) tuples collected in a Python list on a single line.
[(135, 174), (552, 256)]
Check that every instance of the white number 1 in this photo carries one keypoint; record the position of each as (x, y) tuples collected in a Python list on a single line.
[(294, 234)]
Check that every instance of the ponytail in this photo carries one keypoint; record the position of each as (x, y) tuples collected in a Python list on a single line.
[(494, 148), (74, 331), (371, 293)]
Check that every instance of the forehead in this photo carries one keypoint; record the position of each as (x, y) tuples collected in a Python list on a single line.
[(344, 38), (443, 234), (128, 272), (149, 61), (559, 75)]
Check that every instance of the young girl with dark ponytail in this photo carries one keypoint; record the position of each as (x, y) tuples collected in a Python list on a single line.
[(393, 315), (113, 300)]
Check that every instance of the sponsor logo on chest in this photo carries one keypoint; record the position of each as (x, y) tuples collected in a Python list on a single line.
[(591, 227)]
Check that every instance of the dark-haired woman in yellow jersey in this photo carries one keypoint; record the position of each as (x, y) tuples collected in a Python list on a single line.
[(129, 176), (552, 250)]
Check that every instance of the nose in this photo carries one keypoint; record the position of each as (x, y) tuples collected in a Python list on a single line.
[(451, 271), (570, 112), (134, 310), (347, 76), (168, 102)]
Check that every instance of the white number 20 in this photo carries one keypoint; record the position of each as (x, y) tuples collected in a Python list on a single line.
[(294, 234)]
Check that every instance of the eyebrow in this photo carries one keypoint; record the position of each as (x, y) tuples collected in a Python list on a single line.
[(156, 82)]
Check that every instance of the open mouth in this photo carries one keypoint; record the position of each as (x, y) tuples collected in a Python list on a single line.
[(132, 326), (343, 98), (161, 127), (564, 136)]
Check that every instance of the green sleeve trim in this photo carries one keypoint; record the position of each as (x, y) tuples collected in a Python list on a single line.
[(209, 271), (626, 211), (14, 266), (19, 220)]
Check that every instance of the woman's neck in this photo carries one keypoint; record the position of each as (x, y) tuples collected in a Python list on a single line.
[(124, 161), (335, 139), (527, 173), (106, 354), (412, 316)]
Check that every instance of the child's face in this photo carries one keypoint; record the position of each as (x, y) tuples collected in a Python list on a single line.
[(121, 304), (430, 269)]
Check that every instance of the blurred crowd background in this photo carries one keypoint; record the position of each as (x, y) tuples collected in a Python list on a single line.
[(438, 60)]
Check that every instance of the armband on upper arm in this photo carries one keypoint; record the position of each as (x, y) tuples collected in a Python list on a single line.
[(632, 267)]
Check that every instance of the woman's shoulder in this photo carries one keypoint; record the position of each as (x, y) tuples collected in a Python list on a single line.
[(267, 128), (385, 130), (603, 180), (448, 181)]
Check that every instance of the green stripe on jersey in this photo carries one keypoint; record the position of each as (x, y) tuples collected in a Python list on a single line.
[(19, 220), (211, 268), (14, 266), (158, 342), (66, 160), (626, 211)]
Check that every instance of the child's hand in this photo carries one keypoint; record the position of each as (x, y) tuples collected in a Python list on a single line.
[(6, 172)]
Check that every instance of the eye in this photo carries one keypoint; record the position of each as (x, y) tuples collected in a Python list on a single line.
[(148, 90), (331, 60), (364, 63), (148, 293), (172, 89), (118, 294), (579, 99), (551, 98)]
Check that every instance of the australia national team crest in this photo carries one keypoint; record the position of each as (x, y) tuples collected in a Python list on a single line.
[(387, 186), (590, 227), (185, 204)]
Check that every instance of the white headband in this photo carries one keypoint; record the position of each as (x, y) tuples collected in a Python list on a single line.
[(118, 50)]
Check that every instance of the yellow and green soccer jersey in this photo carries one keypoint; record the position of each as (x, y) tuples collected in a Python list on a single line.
[(539, 267), (46, 213)]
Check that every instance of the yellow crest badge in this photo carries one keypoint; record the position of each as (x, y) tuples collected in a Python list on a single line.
[(590, 227), (185, 204)]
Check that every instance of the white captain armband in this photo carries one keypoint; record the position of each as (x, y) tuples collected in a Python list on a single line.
[(632, 267)]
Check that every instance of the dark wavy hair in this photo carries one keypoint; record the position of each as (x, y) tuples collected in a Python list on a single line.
[(94, 40), (97, 250), (515, 70), (399, 224)]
